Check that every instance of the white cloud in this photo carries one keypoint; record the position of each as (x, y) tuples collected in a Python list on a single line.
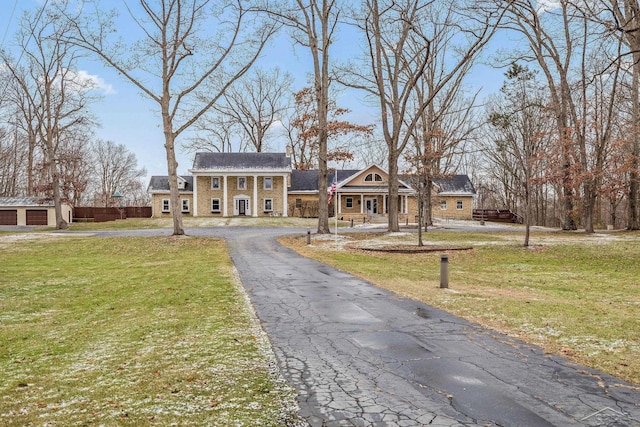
[(94, 82), (547, 5)]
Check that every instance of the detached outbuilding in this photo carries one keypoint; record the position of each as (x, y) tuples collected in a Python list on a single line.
[(31, 211)]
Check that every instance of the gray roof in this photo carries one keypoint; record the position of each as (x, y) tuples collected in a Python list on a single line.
[(308, 180), (455, 184), (25, 201), (244, 161), (160, 183)]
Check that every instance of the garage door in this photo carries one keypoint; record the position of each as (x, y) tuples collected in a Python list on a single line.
[(37, 217), (9, 217)]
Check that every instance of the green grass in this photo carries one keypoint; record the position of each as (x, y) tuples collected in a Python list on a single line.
[(573, 294), (188, 222), (130, 331)]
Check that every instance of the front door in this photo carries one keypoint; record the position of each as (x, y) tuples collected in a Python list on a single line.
[(242, 208), (371, 206)]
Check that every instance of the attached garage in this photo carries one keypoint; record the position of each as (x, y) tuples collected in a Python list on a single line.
[(37, 217), (9, 217), (31, 211)]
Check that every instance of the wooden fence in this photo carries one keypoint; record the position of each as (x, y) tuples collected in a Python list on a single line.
[(96, 214), (497, 215)]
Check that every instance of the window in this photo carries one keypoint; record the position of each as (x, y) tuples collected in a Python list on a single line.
[(215, 182), (185, 205), (349, 202), (215, 205), (298, 203), (242, 183), (165, 205), (268, 205), (459, 204), (268, 183), (443, 205), (373, 177)]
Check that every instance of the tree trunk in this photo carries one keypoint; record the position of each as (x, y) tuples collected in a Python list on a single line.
[(172, 169), (393, 225), (633, 220)]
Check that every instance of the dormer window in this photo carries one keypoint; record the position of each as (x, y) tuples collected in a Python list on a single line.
[(373, 177), (182, 183)]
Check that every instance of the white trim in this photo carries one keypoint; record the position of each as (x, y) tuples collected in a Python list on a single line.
[(255, 195), (285, 196), (182, 205), (219, 205), (236, 204), (195, 197), (218, 187), (244, 187), (225, 198), (168, 209), (264, 183), (264, 204)]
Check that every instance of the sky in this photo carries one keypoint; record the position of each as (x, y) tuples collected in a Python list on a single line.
[(126, 117)]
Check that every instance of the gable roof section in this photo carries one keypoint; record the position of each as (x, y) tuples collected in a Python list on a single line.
[(160, 184), (454, 185), (240, 162), (307, 181), (402, 185)]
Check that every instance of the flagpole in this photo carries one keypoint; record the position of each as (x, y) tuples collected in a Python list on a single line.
[(335, 208)]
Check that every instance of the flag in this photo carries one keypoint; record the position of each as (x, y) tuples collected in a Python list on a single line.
[(333, 187)]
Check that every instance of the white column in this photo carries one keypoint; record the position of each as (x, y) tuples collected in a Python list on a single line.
[(225, 211), (384, 204), (195, 196), (362, 203), (406, 204), (339, 202), (255, 195), (285, 201)]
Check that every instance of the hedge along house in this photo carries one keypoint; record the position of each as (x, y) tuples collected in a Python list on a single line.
[(31, 211)]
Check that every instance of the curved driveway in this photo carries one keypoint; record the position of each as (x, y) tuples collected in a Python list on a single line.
[(359, 355)]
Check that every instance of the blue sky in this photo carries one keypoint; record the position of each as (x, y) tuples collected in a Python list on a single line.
[(128, 118)]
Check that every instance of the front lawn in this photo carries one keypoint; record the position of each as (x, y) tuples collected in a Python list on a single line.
[(131, 331)]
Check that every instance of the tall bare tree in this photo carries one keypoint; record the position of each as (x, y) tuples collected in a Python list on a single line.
[(188, 54), (313, 24), (115, 169), (400, 38), (520, 133), (57, 97)]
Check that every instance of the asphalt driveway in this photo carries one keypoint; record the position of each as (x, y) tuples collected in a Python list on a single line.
[(359, 355)]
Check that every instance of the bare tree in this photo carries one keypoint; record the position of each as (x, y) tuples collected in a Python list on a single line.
[(623, 17), (248, 110), (172, 63), (115, 169), (400, 40), (520, 135), (313, 24), (57, 98)]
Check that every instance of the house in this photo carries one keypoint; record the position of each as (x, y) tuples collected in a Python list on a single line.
[(264, 184), (453, 198), (31, 211), (228, 184)]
